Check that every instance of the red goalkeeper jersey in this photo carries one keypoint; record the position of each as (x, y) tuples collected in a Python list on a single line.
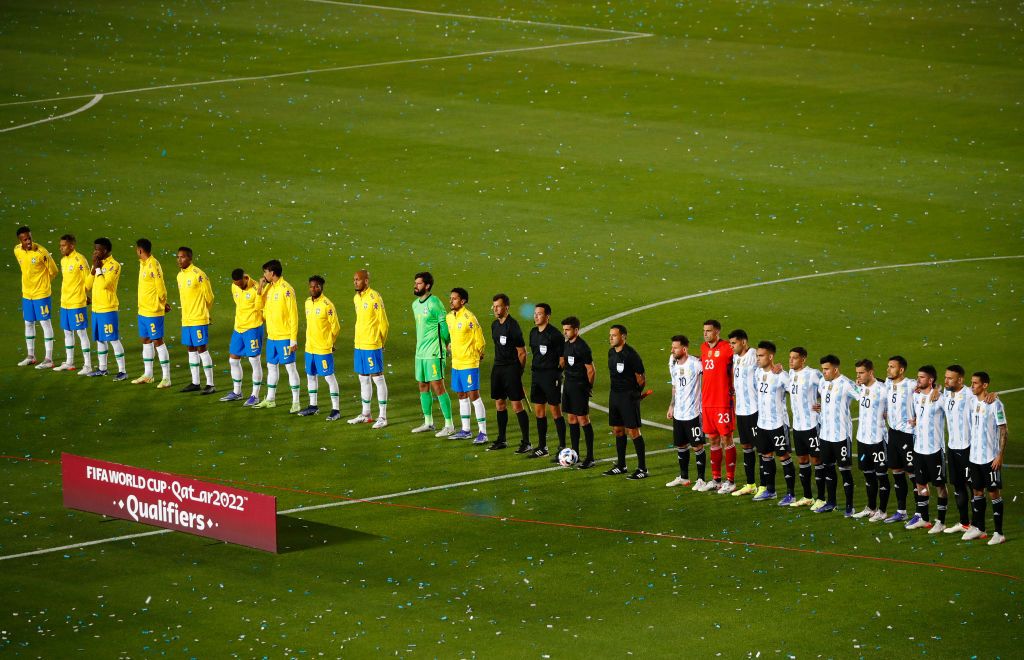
[(716, 390)]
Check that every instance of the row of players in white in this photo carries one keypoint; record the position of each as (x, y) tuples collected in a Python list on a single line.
[(822, 402)]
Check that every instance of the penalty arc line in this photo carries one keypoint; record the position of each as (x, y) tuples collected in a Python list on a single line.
[(95, 99)]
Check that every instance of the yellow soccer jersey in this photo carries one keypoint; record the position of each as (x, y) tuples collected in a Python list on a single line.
[(371, 320), (281, 312), (104, 285), (467, 339), (37, 269), (322, 326), (75, 270), (152, 290), (248, 306), (196, 296)]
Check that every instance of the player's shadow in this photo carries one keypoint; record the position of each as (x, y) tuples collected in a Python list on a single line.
[(296, 534)]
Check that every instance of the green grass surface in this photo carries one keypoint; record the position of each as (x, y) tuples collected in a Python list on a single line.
[(741, 143)]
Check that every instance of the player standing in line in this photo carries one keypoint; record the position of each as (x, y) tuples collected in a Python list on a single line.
[(772, 434), (281, 314), (988, 443), (960, 404), (899, 451), (102, 281), (929, 447), (74, 299), (246, 337), (803, 396), (717, 407), (37, 271), (467, 350), (152, 295), (744, 386), (835, 392), (627, 386), (685, 370), (371, 334), (431, 338), (871, 433), (507, 374), (322, 328), (579, 384), (547, 346), (196, 301)]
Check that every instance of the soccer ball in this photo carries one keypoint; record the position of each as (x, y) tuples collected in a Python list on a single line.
[(567, 457)]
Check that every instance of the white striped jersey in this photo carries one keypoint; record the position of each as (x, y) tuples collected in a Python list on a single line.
[(959, 406), (900, 406), (803, 393), (686, 378), (771, 399), (930, 429), (744, 382), (872, 400), (985, 422), (835, 423)]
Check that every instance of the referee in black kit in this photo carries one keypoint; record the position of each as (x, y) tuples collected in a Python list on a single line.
[(579, 383), (627, 381), (546, 345), (507, 374)]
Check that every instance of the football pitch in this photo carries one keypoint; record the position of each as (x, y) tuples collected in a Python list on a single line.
[(845, 176)]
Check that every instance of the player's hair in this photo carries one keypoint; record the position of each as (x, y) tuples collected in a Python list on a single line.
[(546, 307), (462, 293), (22, 230), (714, 324), (738, 334), (274, 266), (982, 376), (621, 328), (683, 341), (829, 359), (571, 321), (145, 244), (502, 297), (186, 250), (427, 278), (956, 368), (70, 238), (866, 363), (767, 345), (799, 350), (319, 280), (900, 359), (930, 370), (236, 274), (105, 242)]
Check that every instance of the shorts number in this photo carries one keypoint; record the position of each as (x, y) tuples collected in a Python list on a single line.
[(780, 442), (323, 363), (723, 418), (108, 328), (44, 309), (878, 457), (254, 345), (369, 362), (469, 379), (79, 318), (993, 476), (152, 328), (910, 458), (287, 350), (844, 451), (433, 369), (814, 442), (695, 432), (709, 365), (199, 334)]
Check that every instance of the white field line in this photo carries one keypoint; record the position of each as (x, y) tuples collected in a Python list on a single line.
[(94, 101)]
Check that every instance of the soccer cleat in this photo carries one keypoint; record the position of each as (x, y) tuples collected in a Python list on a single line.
[(698, 485), (266, 403), (31, 359), (803, 501), (616, 471), (749, 489), (208, 389), (64, 366), (877, 516), (824, 508), (816, 503), (191, 387), (958, 528), (98, 373), (917, 522), (496, 445), (164, 384), (539, 452), (334, 416), (380, 423), (45, 364), (637, 475), (296, 407), (764, 494), (899, 516), (120, 375), (232, 396), (996, 539), (86, 370), (678, 481), (863, 513), (788, 500), (524, 448), (973, 533), (142, 380), (460, 435), (445, 432), (710, 486), (251, 401), (309, 410), (937, 527), (726, 488), (362, 419), (848, 513), (481, 439), (423, 428), (586, 464)]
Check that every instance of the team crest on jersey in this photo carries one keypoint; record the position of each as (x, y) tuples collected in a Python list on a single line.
[(317, 311), (367, 306), (716, 353), (764, 379), (188, 282), (571, 360), (620, 367), (543, 349), (459, 326), (33, 260), (502, 340)]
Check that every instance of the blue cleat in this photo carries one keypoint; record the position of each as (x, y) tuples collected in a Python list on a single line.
[(899, 516), (481, 439), (98, 373), (120, 375), (251, 401), (787, 500), (309, 410), (849, 513), (460, 435), (824, 508), (231, 396), (764, 494)]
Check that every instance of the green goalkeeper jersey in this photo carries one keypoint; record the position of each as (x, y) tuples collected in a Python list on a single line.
[(431, 328)]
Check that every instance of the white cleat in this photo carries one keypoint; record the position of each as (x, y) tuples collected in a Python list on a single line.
[(699, 485), (973, 533), (937, 528), (45, 364), (710, 486), (958, 528), (362, 419), (678, 481), (445, 432), (380, 423), (86, 370), (996, 539), (726, 488), (423, 428), (27, 361), (64, 366), (863, 513), (877, 516)]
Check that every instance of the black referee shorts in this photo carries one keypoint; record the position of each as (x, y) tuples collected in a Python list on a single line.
[(624, 409), (546, 387), (507, 382), (576, 399)]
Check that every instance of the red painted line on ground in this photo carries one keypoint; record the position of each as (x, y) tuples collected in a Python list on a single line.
[(34, 460)]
